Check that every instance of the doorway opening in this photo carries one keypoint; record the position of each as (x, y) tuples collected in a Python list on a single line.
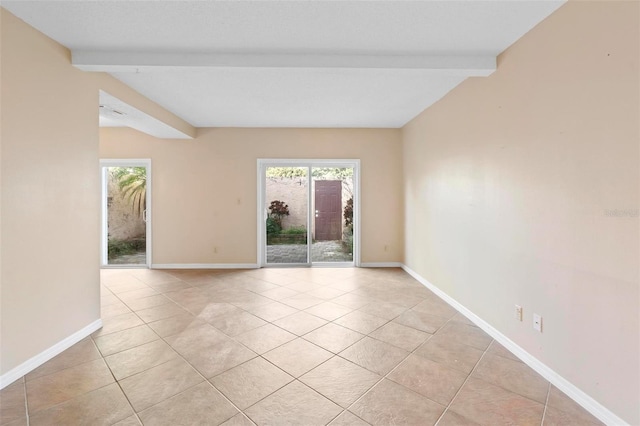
[(308, 212), (126, 213)]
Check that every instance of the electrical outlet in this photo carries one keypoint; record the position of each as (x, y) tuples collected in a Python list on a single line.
[(518, 312), (537, 322)]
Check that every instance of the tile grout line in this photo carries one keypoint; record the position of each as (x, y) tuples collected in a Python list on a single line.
[(230, 337), (202, 376), (26, 400), (546, 404), (102, 357), (345, 359), (135, 413), (144, 323), (117, 382), (294, 378), (451, 319), (372, 386), (333, 354), (500, 385), (464, 383), (467, 378), (266, 396), (179, 355), (233, 338), (301, 337), (486, 351), (71, 399), (392, 370), (77, 396), (24, 378)]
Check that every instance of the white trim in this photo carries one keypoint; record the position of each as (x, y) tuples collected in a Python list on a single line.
[(311, 187), (36, 361), (104, 249), (588, 403), (313, 162), (382, 265), (357, 262), (260, 216), (149, 215), (125, 162), (332, 265), (204, 266), (116, 266), (133, 62)]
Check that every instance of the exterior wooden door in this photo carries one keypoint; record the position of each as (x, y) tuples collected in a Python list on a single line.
[(328, 205)]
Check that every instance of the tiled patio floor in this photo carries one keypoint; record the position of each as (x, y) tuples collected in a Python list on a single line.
[(321, 251), (283, 347), (139, 258)]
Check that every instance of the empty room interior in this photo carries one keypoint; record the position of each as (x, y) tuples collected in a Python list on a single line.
[(318, 212)]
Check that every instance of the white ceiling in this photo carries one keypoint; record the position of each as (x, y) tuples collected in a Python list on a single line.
[(288, 63)]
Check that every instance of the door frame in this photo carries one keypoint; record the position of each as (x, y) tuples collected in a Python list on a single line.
[(262, 165), (104, 224)]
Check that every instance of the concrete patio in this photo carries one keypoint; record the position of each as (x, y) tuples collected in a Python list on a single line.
[(321, 251)]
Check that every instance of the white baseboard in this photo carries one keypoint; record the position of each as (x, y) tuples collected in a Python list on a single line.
[(204, 266), (381, 265), (588, 403), (31, 364), (255, 265)]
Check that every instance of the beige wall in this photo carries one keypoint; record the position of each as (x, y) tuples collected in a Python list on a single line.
[(50, 203), (204, 191), (522, 188), (50, 191)]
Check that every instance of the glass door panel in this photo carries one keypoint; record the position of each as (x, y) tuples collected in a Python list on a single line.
[(332, 221), (126, 210), (287, 215)]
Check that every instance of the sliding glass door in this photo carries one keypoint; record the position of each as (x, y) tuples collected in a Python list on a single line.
[(126, 213), (287, 215), (332, 197), (308, 212)]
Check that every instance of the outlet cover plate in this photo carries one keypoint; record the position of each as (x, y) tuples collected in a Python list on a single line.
[(537, 322)]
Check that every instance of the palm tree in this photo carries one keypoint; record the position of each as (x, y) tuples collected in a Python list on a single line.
[(132, 181)]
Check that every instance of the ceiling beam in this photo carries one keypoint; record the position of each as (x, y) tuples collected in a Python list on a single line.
[(116, 113), (120, 61)]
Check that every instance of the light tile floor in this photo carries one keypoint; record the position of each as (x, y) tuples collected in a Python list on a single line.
[(283, 347)]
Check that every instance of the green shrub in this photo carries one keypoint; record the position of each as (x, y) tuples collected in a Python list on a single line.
[(278, 209), (123, 247), (348, 213), (273, 227), (295, 230), (347, 240)]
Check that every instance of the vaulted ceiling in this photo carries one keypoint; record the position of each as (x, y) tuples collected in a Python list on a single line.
[(288, 63)]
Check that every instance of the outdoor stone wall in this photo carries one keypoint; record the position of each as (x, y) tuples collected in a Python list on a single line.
[(293, 191), (124, 222)]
